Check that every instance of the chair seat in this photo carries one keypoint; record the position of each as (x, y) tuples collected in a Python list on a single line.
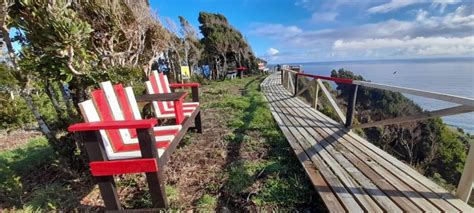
[(188, 109), (131, 149)]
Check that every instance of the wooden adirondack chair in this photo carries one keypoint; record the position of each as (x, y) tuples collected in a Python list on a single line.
[(158, 84), (118, 141)]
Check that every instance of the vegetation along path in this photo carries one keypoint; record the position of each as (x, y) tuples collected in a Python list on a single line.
[(242, 162)]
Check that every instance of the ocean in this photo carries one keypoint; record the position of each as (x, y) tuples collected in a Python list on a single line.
[(453, 76)]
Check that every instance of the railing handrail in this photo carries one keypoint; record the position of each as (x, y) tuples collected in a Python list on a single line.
[(467, 105), (423, 93)]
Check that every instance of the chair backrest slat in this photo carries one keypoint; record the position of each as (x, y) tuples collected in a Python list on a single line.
[(133, 103), (113, 103), (154, 87), (116, 109), (90, 114), (105, 114), (166, 88), (159, 83)]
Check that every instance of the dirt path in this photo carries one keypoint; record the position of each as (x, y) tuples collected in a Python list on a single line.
[(16, 138)]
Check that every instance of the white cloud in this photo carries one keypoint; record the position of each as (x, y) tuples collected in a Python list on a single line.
[(272, 51), (450, 34), (392, 5), (407, 46), (275, 30), (397, 4), (324, 16)]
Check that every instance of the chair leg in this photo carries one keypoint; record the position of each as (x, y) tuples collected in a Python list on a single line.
[(197, 122), (156, 185), (108, 191), (96, 152)]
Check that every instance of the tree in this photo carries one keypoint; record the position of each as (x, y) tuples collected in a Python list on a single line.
[(192, 47), (70, 46), (223, 44)]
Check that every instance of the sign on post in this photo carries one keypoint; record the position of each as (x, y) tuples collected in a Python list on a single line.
[(185, 73)]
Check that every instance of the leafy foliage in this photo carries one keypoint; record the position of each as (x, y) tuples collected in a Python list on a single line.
[(223, 44)]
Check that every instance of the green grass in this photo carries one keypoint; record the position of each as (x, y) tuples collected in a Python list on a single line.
[(19, 166), (207, 203), (17, 163), (275, 180)]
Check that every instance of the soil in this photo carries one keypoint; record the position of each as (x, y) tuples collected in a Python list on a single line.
[(16, 138)]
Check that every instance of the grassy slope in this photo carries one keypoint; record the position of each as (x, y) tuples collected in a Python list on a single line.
[(241, 162), (31, 178), (273, 179)]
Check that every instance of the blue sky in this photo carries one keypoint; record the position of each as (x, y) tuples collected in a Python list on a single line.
[(334, 30)]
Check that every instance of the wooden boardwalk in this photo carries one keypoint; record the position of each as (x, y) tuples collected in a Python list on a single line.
[(350, 173)]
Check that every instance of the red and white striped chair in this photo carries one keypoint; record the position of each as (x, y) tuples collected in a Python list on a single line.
[(116, 103), (158, 84)]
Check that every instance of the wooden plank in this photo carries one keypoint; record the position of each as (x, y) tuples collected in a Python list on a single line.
[(303, 90), (467, 178), (316, 92), (427, 94), (456, 202), (322, 187), (337, 186), (291, 86), (421, 116), (438, 202), (155, 179), (343, 195), (405, 189), (351, 105), (321, 143), (331, 101), (96, 152), (412, 173), (407, 172), (108, 168), (162, 97), (425, 191)]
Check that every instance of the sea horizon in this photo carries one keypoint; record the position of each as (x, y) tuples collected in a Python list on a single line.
[(449, 75), (432, 59)]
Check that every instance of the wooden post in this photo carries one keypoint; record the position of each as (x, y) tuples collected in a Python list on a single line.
[(288, 82), (351, 102), (296, 85), (96, 152), (281, 76), (467, 178), (316, 92), (197, 119), (156, 182)]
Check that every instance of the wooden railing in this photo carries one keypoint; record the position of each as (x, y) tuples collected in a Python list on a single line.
[(290, 80)]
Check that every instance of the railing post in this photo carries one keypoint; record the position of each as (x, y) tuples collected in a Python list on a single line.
[(288, 80), (281, 76), (296, 84), (467, 178), (316, 92), (351, 106)]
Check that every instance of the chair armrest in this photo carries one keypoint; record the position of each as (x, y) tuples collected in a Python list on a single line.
[(175, 96), (177, 85), (109, 125)]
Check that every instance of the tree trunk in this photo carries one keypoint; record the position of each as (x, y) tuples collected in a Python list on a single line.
[(224, 65), (39, 118), (53, 97)]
